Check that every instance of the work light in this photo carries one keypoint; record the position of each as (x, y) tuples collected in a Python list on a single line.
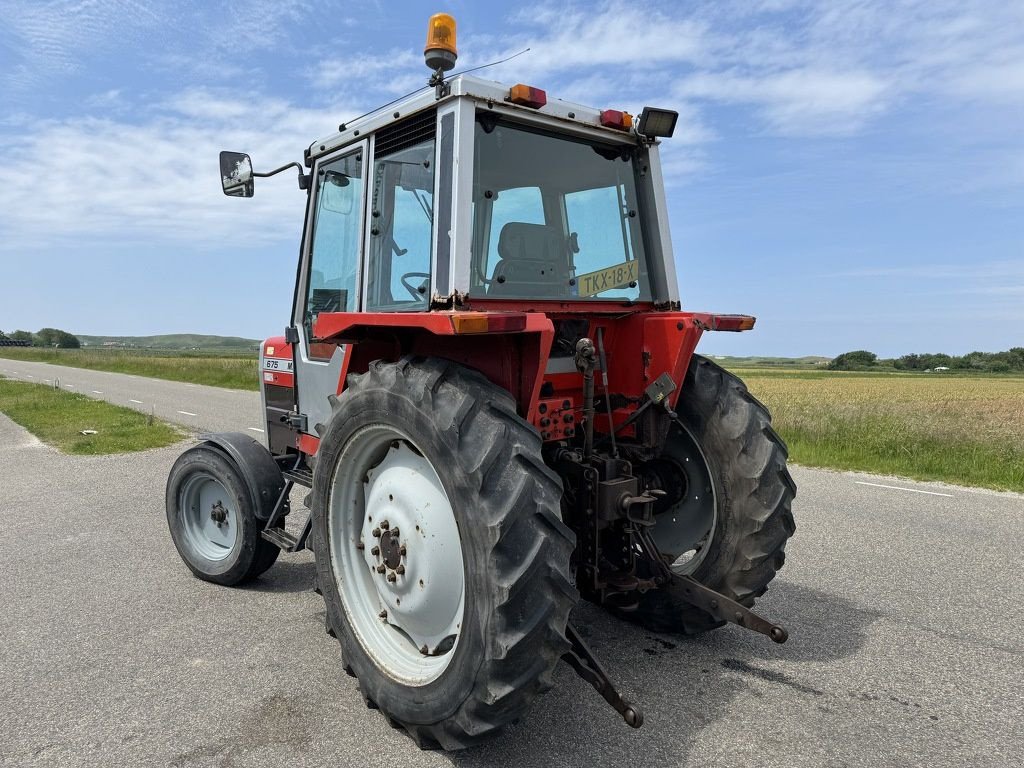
[(657, 122)]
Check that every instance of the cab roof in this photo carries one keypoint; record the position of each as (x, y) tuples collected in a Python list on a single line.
[(576, 117)]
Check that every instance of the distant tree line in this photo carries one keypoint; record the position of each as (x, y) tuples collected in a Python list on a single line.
[(1009, 361), (45, 337)]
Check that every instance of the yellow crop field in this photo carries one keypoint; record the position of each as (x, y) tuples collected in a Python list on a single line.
[(964, 429)]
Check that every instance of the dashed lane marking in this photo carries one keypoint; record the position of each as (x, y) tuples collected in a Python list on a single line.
[(187, 413), (898, 488), (134, 401), (96, 392), (254, 429)]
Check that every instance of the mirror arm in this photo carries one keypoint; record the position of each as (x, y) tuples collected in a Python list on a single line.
[(303, 178)]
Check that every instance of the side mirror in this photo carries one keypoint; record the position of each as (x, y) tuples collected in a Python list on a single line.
[(236, 174)]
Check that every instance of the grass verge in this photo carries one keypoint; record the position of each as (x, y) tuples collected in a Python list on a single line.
[(58, 418), (967, 430), (234, 371)]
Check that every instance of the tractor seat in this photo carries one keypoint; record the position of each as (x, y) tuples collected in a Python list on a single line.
[(532, 262)]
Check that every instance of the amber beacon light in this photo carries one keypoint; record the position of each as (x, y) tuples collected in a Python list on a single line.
[(440, 52)]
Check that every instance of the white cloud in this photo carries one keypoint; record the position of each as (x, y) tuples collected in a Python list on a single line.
[(797, 101), (51, 38), (398, 71), (156, 178), (806, 68)]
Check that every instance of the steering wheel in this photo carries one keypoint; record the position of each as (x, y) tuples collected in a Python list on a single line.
[(416, 293)]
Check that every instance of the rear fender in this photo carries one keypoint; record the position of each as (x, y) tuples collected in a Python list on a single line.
[(512, 351)]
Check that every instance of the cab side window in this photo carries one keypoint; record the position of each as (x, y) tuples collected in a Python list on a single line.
[(334, 257), (401, 228)]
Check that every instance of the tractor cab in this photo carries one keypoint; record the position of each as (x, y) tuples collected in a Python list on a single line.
[(471, 196)]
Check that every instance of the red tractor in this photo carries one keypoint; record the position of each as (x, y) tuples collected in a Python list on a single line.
[(490, 388)]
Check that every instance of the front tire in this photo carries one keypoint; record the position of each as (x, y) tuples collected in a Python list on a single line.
[(454, 623), (212, 520), (737, 544)]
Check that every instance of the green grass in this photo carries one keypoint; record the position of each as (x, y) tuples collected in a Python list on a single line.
[(967, 430), (216, 369), (58, 418)]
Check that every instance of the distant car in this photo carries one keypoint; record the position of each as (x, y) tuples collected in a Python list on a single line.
[(941, 368)]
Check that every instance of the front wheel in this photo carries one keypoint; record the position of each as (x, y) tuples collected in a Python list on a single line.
[(212, 519), (440, 552), (726, 514)]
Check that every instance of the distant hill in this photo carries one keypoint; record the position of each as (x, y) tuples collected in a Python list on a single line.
[(810, 361), (170, 341)]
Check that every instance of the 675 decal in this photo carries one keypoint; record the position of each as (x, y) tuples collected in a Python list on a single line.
[(274, 364)]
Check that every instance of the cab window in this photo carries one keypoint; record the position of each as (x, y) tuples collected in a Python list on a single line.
[(401, 229), (334, 255)]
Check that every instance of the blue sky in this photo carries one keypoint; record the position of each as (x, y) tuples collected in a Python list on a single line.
[(851, 172)]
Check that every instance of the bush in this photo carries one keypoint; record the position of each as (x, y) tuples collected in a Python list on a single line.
[(54, 337), (853, 361)]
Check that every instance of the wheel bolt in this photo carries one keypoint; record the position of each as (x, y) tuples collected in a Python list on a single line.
[(375, 551), (382, 615), (376, 533), (392, 577), (384, 525), (401, 550), (400, 569), (394, 533), (381, 568)]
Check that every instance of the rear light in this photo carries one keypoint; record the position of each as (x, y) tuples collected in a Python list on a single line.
[(488, 322), (527, 96), (613, 118), (731, 322)]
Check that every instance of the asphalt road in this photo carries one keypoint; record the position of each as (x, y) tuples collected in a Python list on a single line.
[(193, 405), (902, 600)]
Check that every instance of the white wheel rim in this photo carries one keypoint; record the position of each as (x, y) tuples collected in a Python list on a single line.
[(209, 519), (403, 593)]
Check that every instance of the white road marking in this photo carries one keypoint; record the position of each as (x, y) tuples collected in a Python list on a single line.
[(897, 488), (29, 376), (96, 392), (70, 386), (134, 401), (254, 429), (188, 413)]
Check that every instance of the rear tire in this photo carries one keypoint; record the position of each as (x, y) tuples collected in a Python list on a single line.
[(753, 492), (211, 518), (474, 481)]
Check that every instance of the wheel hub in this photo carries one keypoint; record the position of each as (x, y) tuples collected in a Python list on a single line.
[(391, 549), (218, 514)]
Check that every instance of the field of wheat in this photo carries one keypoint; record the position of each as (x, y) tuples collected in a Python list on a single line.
[(960, 429)]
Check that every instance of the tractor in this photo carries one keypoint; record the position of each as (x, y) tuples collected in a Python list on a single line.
[(490, 389)]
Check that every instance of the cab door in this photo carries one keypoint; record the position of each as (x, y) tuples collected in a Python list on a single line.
[(330, 277)]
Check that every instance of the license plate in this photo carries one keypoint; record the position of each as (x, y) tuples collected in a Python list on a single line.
[(273, 364), (619, 276)]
